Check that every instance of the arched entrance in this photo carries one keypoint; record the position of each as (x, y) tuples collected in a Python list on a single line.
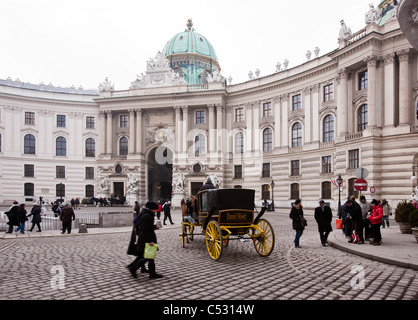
[(160, 173)]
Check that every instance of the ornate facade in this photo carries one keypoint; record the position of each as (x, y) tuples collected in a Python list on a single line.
[(352, 108)]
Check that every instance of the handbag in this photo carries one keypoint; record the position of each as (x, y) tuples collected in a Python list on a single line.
[(303, 221), (150, 251), (339, 223)]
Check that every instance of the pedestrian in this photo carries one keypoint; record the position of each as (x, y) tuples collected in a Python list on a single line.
[(72, 203), (323, 216), (159, 209), (296, 214), (22, 218), (137, 209), (375, 218), (365, 211), (12, 216), (145, 223), (347, 220), (167, 212), (36, 217), (357, 222), (67, 215), (387, 211), (77, 203)]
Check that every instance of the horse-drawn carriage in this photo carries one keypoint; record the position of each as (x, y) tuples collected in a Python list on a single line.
[(224, 215)]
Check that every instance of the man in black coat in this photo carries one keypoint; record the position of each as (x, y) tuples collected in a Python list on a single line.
[(12, 215), (36, 217), (357, 220), (323, 216), (167, 212), (145, 220)]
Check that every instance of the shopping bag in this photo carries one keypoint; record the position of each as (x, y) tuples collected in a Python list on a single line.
[(339, 223), (150, 251)]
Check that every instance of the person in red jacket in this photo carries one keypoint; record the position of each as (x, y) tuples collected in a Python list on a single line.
[(375, 218)]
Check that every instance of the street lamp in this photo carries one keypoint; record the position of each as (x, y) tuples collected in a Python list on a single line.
[(339, 182), (272, 194), (414, 177)]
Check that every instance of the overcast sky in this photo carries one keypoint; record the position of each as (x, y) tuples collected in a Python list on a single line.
[(80, 42)]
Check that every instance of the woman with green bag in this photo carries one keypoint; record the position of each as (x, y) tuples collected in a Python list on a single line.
[(146, 238)]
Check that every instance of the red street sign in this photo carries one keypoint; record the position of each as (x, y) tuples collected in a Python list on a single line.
[(360, 185)]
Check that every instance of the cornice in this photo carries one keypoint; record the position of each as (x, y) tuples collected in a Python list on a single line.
[(48, 101)]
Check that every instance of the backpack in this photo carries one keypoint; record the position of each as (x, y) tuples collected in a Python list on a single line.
[(354, 236)]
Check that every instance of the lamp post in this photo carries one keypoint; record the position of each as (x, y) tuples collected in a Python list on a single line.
[(272, 194), (339, 182)]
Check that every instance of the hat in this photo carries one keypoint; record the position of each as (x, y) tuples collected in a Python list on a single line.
[(321, 201), (151, 205), (374, 201), (298, 201)]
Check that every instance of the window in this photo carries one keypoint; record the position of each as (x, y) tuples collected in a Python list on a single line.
[(238, 172), (60, 190), (61, 120), (123, 146), (266, 170), (267, 140), (200, 117), (267, 112), (351, 190), (326, 190), (199, 142), (326, 164), (90, 147), (29, 117), (353, 159), (123, 119), (265, 191), (89, 122), (89, 173), (29, 189), (29, 170), (297, 102), (61, 146), (239, 114), (239, 143), (329, 92), (89, 191), (363, 80), (29, 144), (297, 135), (295, 168), (329, 128), (362, 117), (294, 191), (60, 172)]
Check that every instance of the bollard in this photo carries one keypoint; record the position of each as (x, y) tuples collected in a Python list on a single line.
[(82, 228)]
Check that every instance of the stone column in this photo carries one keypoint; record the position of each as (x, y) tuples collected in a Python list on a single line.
[(212, 131), (185, 127), (131, 145), (404, 108), (277, 124), (308, 119), (178, 131), (109, 133), (285, 120), (316, 129), (249, 123), (102, 131), (139, 131), (389, 112), (219, 127), (342, 102), (371, 91)]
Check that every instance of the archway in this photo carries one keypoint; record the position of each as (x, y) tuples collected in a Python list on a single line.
[(160, 173)]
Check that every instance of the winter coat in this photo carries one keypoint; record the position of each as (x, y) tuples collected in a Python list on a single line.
[(376, 214), (36, 214), (356, 213), (146, 233), (12, 215), (21, 215), (323, 218), (296, 215), (365, 208), (66, 214), (207, 186)]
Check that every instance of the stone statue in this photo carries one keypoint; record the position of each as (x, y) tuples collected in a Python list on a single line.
[(132, 183), (179, 182), (215, 180), (102, 183), (414, 195), (414, 16), (372, 15), (308, 55), (215, 77), (345, 31), (316, 51), (106, 86)]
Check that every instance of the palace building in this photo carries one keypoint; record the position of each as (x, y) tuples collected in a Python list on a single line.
[(287, 135)]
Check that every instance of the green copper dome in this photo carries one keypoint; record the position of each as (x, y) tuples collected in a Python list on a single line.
[(191, 55)]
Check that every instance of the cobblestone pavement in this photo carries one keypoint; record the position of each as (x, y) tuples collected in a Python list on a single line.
[(91, 267)]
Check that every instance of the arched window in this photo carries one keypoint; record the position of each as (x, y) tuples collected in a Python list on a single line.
[(326, 190), (329, 128), (199, 142), (90, 147), (29, 189), (267, 140), (362, 117), (297, 135), (239, 143), (29, 144), (61, 146), (123, 146), (60, 190)]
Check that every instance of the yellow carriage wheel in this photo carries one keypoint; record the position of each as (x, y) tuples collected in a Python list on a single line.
[(263, 238), (214, 242)]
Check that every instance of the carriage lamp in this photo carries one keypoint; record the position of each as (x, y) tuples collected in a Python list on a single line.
[(272, 194), (339, 182)]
